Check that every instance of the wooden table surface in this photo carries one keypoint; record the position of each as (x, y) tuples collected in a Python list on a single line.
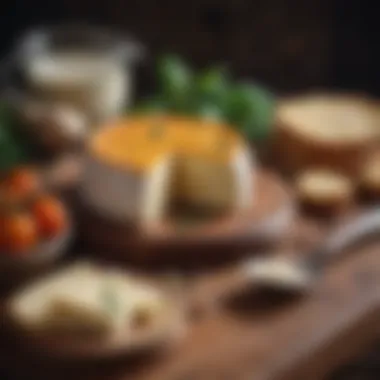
[(299, 339)]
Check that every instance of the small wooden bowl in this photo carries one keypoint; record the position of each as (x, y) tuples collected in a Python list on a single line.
[(298, 144), (369, 181), (324, 192)]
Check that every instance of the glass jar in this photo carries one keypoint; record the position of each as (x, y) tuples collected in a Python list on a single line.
[(85, 67)]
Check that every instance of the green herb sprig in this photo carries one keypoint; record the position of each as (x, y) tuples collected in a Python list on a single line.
[(211, 94), (15, 148)]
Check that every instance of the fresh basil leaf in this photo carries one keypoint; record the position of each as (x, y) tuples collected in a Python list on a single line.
[(211, 95), (264, 110), (240, 104), (15, 148), (212, 86), (251, 109), (175, 79)]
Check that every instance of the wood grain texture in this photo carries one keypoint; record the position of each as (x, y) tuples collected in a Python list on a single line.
[(301, 339), (267, 222)]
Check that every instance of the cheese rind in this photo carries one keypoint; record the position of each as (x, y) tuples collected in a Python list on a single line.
[(126, 196)]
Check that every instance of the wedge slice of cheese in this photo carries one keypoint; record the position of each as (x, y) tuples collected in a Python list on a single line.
[(136, 167), (85, 299)]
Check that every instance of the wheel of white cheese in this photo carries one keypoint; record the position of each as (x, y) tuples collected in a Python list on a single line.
[(137, 167)]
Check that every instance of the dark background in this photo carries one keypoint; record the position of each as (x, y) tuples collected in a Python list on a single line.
[(289, 44)]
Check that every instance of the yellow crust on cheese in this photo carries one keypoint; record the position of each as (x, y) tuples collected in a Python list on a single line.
[(138, 142)]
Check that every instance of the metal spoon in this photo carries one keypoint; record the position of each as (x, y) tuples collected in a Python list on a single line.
[(298, 275)]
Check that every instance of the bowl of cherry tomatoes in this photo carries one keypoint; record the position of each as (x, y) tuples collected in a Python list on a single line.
[(35, 229)]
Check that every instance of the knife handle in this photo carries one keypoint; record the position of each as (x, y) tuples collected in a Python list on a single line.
[(346, 235)]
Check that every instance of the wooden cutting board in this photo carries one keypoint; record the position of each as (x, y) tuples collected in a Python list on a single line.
[(180, 242), (299, 339)]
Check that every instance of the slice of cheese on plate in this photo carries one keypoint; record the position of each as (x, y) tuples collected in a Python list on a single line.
[(85, 299)]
